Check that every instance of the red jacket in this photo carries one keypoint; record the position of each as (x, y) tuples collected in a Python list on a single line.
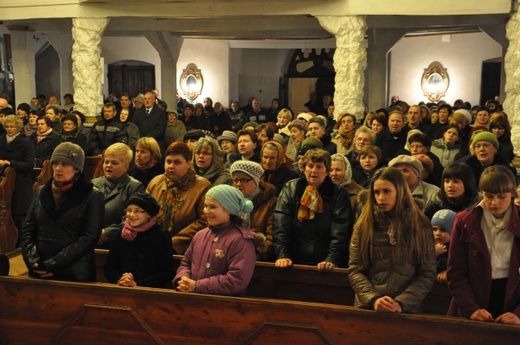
[(469, 265)]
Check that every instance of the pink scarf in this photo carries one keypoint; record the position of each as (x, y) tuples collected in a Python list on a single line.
[(129, 233), (41, 136)]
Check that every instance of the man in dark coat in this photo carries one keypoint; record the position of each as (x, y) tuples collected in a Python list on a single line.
[(151, 120)]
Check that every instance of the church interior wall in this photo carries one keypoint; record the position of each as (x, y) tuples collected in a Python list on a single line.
[(260, 74), (461, 54), (114, 49), (212, 58), (234, 73)]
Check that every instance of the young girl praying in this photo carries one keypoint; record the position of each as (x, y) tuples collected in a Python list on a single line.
[(221, 258)]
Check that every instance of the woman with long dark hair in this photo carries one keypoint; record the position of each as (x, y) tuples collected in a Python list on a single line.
[(392, 263)]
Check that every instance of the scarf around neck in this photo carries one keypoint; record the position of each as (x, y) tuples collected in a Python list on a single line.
[(146, 166), (41, 136), (310, 204), (129, 233), (173, 199)]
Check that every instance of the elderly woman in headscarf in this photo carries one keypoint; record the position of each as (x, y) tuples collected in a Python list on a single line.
[(180, 193), (273, 161), (312, 218), (341, 173), (247, 179)]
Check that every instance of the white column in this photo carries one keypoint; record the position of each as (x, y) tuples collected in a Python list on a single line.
[(512, 88), (169, 47), (87, 66), (62, 43), (350, 61), (24, 65)]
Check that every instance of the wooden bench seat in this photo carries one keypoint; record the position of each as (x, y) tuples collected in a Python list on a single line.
[(8, 230), (306, 283), (49, 312)]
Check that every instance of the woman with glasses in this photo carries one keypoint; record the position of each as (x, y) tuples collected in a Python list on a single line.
[(247, 179), (141, 254), (208, 162)]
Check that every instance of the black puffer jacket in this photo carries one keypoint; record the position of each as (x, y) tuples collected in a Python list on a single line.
[(324, 238), (61, 238)]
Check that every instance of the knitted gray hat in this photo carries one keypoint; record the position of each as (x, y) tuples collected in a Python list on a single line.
[(444, 219), (69, 153), (411, 161), (231, 199), (250, 168)]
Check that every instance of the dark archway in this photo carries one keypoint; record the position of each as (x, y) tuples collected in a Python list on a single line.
[(130, 76), (313, 64)]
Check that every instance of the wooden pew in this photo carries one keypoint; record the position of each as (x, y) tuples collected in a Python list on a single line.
[(93, 166), (44, 175), (307, 284), (49, 312), (8, 230)]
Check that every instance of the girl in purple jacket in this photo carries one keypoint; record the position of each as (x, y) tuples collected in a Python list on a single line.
[(221, 258)]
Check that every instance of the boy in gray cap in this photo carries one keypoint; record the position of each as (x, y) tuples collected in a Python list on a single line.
[(442, 223)]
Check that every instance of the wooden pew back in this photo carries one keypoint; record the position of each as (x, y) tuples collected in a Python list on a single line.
[(307, 284), (44, 175), (49, 312), (94, 166), (8, 230)]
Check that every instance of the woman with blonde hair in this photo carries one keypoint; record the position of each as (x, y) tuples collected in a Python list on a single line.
[(392, 263), (17, 151), (208, 162), (147, 160), (117, 187), (283, 118)]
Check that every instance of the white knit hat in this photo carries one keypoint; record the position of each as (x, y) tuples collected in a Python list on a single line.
[(250, 168)]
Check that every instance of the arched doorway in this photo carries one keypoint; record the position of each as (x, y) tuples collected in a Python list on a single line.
[(130, 76), (309, 70)]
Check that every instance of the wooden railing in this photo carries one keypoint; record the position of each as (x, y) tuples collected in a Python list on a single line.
[(8, 230), (307, 284), (49, 312)]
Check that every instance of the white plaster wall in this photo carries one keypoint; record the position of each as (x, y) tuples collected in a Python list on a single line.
[(212, 58), (462, 57), (260, 74), (115, 49)]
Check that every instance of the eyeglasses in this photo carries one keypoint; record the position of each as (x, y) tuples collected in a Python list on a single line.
[(242, 180), (137, 212), (204, 153)]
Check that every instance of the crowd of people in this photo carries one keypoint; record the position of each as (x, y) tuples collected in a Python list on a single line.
[(406, 196)]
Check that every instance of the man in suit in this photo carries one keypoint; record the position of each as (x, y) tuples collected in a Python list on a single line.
[(151, 119)]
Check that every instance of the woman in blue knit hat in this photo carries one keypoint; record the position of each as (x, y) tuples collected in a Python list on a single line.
[(221, 258)]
